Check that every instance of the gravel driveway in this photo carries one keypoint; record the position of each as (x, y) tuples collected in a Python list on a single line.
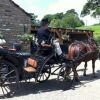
[(88, 89)]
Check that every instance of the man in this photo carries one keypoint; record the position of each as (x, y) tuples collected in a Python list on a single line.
[(44, 36)]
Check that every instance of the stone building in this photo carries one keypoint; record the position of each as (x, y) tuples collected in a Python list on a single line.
[(13, 20)]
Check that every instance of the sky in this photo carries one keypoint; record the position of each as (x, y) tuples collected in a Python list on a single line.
[(44, 7)]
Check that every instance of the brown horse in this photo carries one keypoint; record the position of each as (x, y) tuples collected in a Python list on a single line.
[(79, 51)]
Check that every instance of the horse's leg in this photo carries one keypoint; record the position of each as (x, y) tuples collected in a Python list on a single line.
[(93, 68), (75, 76), (85, 66)]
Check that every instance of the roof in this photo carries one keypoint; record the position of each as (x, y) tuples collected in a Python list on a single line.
[(68, 30), (20, 8)]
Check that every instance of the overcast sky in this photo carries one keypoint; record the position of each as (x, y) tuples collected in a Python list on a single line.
[(43, 7)]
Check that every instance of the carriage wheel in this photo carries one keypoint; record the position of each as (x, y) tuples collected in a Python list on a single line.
[(44, 74), (64, 78), (8, 78)]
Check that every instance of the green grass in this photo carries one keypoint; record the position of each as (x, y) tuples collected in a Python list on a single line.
[(96, 29)]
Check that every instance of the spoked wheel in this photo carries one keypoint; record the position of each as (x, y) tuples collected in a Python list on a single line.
[(8, 78), (44, 73), (64, 78)]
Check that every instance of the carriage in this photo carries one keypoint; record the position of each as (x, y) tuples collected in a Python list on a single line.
[(15, 65), (14, 68)]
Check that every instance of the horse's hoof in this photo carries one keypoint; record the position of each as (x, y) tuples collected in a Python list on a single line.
[(67, 85), (76, 80)]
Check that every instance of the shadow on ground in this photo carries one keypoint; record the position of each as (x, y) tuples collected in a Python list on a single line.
[(50, 85), (86, 79)]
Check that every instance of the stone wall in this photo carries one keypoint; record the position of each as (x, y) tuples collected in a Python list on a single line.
[(13, 21)]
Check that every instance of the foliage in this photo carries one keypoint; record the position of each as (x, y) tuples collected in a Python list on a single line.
[(34, 21), (71, 20), (25, 37), (92, 7), (68, 20), (55, 23), (49, 16)]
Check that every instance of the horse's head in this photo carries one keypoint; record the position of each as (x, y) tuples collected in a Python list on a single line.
[(92, 44)]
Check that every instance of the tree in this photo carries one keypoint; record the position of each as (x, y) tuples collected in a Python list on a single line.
[(71, 19), (49, 16), (92, 7), (54, 16), (71, 11), (68, 20), (55, 23), (34, 21), (58, 16)]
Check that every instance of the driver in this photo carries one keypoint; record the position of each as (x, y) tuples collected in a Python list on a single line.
[(44, 36)]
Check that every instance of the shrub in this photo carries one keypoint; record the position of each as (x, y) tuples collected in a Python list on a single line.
[(25, 37)]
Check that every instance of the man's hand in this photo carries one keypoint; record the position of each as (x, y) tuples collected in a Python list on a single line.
[(46, 45)]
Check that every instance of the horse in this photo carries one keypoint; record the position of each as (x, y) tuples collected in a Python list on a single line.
[(80, 51)]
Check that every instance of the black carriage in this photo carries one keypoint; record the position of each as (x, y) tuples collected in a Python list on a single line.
[(14, 69)]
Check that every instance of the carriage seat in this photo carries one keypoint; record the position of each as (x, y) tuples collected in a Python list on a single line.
[(31, 65), (34, 63)]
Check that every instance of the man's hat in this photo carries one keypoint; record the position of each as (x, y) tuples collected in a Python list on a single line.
[(44, 21)]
